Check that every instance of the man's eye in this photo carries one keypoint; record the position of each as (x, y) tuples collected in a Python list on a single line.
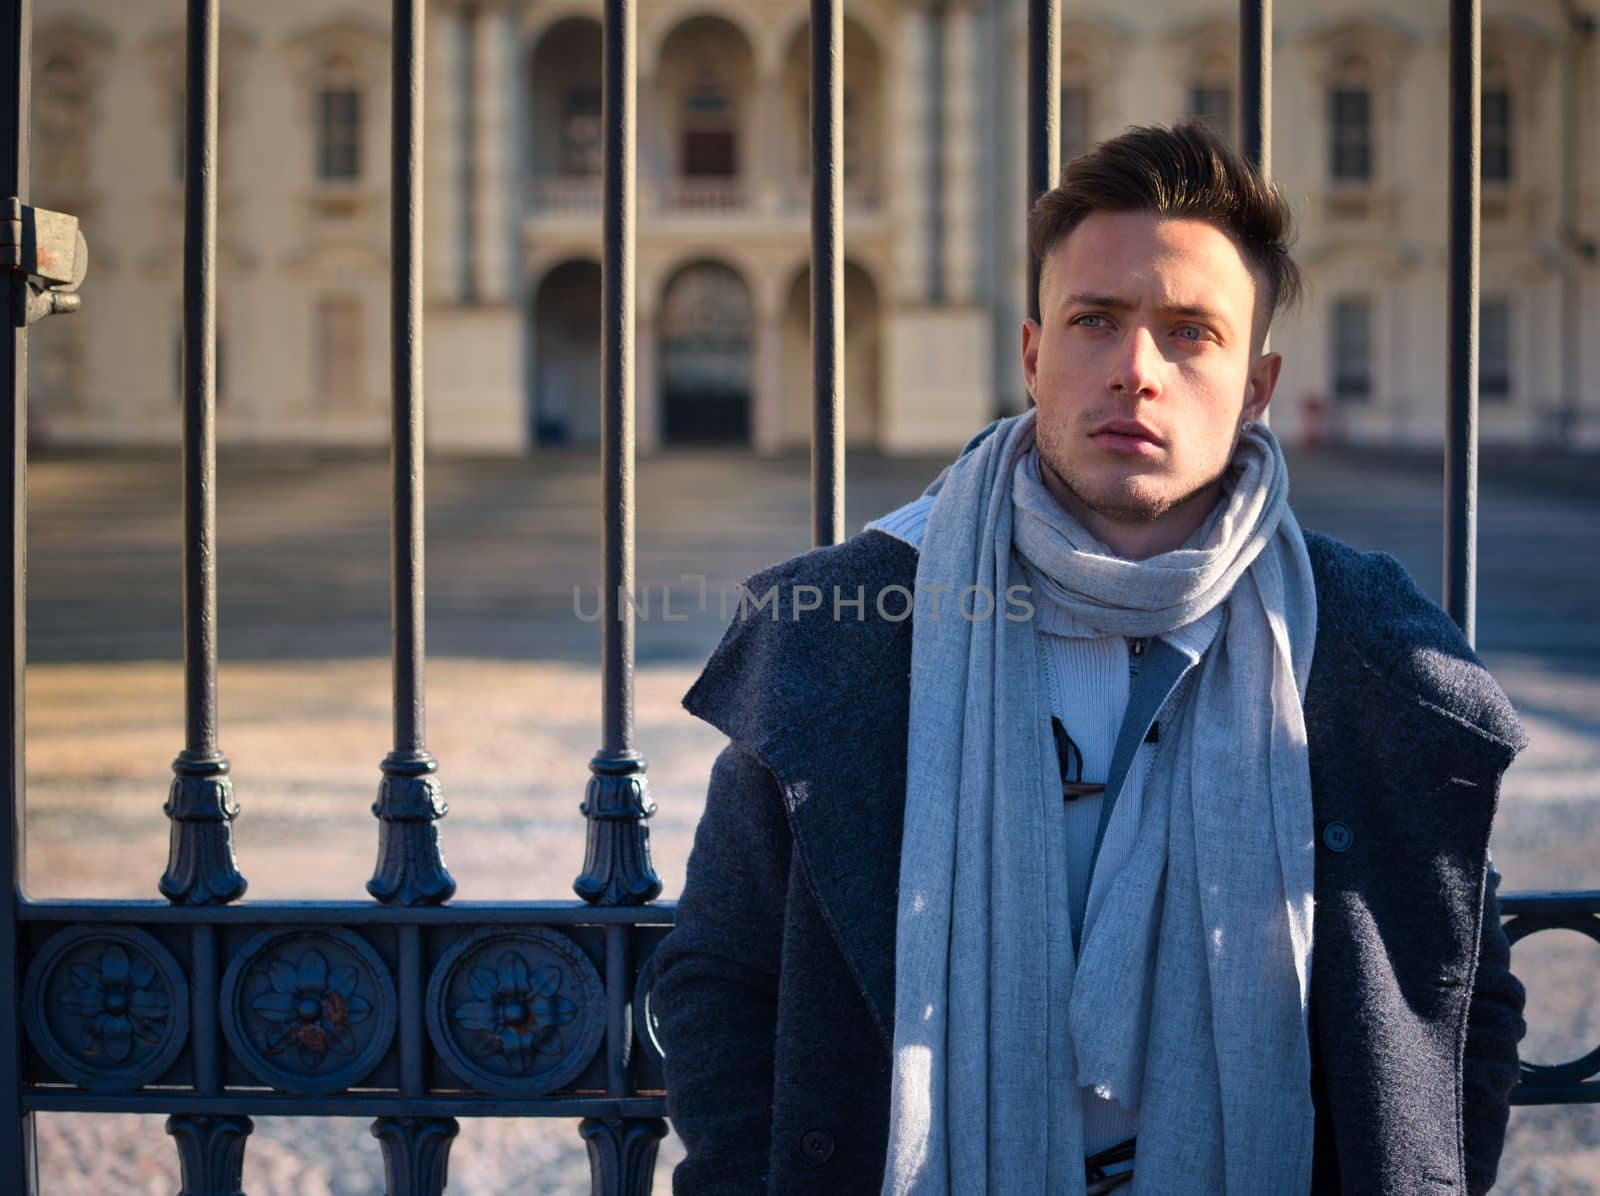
[(1090, 316), (1188, 328)]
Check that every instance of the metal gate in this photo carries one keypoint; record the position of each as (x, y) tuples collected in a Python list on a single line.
[(409, 1009)]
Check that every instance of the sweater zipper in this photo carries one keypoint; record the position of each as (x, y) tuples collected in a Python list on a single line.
[(1136, 649)]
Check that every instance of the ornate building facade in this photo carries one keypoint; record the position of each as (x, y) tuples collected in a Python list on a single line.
[(935, 110)]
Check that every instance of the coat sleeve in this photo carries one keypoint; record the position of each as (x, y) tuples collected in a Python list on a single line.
[(716, 992), (1494, 1027)]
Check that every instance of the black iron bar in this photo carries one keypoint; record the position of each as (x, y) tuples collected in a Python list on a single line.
[(827, 271), (1255, 82), (619, 119), (200, 383), (619, 991), (616, 865), (18, 1162), (1044, 115), (1461, 435), (200, 862), (410, 868), (413, 1035), (206, 1025)]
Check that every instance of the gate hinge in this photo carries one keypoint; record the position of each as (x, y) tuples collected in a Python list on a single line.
[(50, 249)]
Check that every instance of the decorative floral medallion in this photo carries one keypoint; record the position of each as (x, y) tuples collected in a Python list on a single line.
[(517, 1013), (106, 1007), (309, 1011)]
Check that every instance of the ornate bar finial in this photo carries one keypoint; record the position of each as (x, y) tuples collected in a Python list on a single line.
[(616, 861), (416, 1153), (410, 868), (622, 1153), (201, 868), (210, 1153)]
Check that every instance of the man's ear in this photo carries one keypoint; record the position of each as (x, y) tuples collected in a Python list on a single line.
[(1031, 334), (1260, 383)]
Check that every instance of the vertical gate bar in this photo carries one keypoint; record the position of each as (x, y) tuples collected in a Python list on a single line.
[(618, 992), (413, 1071), (205, 1037), (827, 272), (616, 865), (1461, 437), (616, 396), (1255, 82), (201, 868), (410, 868), (18, 1164), (1044, 115)]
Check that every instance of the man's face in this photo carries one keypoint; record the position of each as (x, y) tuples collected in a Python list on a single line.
[(1143, 368)]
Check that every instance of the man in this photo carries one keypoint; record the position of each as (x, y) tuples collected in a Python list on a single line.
[(1158, 832)]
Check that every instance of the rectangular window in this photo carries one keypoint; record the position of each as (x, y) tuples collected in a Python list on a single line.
[(580, 132), (1352, 350), (1350, 134), (1494, 350), (1496, 151), (1074, 122), (338, 133), (338, 351), (1214, 106)]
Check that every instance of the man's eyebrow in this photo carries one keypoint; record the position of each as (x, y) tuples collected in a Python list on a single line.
[(1114, 303)]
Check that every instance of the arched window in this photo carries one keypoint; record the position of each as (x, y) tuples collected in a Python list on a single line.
[(710, 141)]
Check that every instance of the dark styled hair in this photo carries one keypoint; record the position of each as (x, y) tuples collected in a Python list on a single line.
[(1182, 170)]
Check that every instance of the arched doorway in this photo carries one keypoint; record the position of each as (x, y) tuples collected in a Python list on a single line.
[(862, 359), (564, 382), (706, 330)]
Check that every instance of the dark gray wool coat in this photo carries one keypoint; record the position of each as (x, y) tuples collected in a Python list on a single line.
[(775, 995)]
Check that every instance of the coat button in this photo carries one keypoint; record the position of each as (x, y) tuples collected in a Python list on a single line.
[(1336, 836), (816, 1145)]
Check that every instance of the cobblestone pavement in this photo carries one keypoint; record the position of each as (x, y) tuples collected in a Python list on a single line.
[(513, 710)]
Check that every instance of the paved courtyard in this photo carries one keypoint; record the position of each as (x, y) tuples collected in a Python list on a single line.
[(514, 702)]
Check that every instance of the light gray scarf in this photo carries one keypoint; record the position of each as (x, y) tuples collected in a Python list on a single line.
[(1188, 1000)]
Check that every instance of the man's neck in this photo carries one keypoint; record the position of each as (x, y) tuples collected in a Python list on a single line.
[(1136, 539)]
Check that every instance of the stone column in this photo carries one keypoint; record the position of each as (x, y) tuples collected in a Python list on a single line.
[(766, 423), (962, 174), (647, 405), (494, 42), (907, 199), (765, 166)]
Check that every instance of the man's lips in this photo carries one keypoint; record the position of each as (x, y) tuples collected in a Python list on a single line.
[(1126, 434)]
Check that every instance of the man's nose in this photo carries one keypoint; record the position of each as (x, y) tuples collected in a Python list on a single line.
[(1137, 368)]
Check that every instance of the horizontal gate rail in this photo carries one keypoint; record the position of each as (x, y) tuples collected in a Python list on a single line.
[(310, 998)]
